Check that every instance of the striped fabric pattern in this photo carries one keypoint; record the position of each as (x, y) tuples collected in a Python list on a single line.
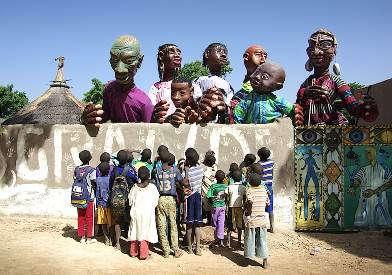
[(259, 198), (268, 171), (195, 177)]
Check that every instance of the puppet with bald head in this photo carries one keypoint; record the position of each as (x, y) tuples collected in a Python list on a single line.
[(261, 106), (254, 56)]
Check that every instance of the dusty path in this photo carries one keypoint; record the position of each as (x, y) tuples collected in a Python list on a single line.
[(35, 245)]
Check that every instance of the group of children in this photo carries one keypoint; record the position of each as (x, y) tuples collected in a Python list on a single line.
[(148, 200)]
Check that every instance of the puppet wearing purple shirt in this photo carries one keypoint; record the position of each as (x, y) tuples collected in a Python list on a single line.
[(122, 100)]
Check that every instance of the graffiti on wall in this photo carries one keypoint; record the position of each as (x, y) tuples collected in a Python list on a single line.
[(48, 154), (343, 178)]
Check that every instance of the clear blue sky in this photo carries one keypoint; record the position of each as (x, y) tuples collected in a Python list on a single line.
[(33, 33)]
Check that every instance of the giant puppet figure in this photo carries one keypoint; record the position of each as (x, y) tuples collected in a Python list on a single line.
[(216, 92), (169, 59), (320, 93), (253, 56), (122, 100)]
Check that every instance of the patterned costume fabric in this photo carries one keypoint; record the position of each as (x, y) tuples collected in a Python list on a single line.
[(261, 109), (343, 178), (241, 94), (166, 216), (317, 112)]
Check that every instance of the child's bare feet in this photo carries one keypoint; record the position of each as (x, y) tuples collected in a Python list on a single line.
[(118, 246), (82, 240), (177, 253), (190, 250), (198, 252), (265, 264)]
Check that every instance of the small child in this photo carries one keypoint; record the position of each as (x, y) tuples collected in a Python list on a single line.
[(216, 195), (232, 168), (209, 168), (165, 179), (104, 217), (249, 159), (120, 194), (86, 216), (194, 174), (143, 198), (261, 106), (255, 238), (145, 160), (267, 165), (235, 192), (105, 157), (182, 97)]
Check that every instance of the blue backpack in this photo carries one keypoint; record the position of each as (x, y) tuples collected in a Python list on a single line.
[(80, 195), (102, 192)]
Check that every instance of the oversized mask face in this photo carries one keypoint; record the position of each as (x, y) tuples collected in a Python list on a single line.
[(267, 78), (125, 58), (321, 50)]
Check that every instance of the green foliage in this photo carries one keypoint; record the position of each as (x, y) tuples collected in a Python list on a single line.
[(95, 94), (11, 101), (356, 86), (191, 71)]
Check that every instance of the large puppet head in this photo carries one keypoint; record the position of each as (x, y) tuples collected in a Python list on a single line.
[(125, 58), (254, 56), (268, 77), (215, 58), (168, 59), (321, 50)]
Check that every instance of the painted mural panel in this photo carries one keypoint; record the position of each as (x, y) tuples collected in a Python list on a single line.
[(354, 174)]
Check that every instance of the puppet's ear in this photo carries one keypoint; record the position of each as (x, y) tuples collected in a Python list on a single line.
[(245, 56), (279, 86)]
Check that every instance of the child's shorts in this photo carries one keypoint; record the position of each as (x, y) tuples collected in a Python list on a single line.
[(194, 212), (104, 216), (237, 217)]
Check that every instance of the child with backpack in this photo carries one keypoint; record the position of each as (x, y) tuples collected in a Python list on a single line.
[(82, 197), (143, 198), (122, 178), (104, 217)]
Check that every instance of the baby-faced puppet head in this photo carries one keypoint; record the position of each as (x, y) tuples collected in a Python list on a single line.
[(268, 77), (254, 56)]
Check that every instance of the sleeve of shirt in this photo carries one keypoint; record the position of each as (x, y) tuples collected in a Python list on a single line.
[(152, 94), (105, 104), (283, 106), (240, 111), (147, 111), (179, 177), (210, 192), (344, 91)]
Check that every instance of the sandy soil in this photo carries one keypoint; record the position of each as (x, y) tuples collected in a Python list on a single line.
[(37, 245)]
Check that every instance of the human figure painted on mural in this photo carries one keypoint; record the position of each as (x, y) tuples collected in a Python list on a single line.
[(169, 59), (262, 106), (320, 93), (311, 165), (254, 56), (373, 180), (123, 101), (216, 91), (182, 98)]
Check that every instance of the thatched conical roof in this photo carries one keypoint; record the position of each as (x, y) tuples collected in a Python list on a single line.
[(56, 106)]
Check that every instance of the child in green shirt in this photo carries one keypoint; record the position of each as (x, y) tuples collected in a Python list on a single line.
[(216, 195)]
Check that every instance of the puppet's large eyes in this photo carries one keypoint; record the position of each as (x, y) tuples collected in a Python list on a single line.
[(309, 136)]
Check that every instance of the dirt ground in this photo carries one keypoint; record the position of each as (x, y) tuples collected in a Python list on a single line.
[(38, 245)]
